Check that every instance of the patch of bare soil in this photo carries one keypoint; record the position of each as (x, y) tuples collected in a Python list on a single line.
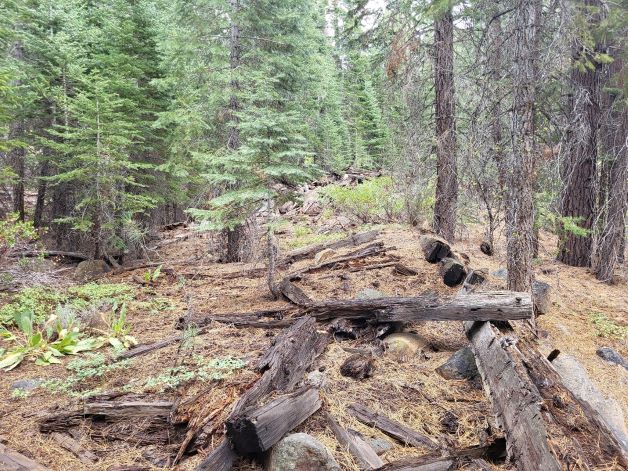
[(192, 285)]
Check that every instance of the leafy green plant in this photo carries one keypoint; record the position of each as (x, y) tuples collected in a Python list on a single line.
[(607, 327), (43, 344), (118, 335), (150, 276), (371, 201), (13, 231), (304, 236)]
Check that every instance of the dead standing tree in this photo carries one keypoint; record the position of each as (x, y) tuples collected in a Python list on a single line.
[(447, 174), (520, 168)]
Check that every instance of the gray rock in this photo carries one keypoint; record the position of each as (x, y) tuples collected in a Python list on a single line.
[(610, 355), (501, 273), (316, 378), (90, 269), (379, 445), (577, 380), (369, 293), (26, 384), (461, 365), (301, 452)]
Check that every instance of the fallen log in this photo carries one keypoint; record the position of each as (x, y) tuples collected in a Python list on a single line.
[(241, 318), (256, 430), (452, 271), (11, 460), (128, 409), (493, 305), (282, 367), (50, 253), (515, 400), (434, 248), (353, 443), (392, 428), (401, 269), (293, 293), (307, 252)]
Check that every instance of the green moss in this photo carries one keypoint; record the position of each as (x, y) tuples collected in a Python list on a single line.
[(607, 327)]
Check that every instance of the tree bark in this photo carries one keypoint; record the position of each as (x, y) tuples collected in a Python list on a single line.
[(578, 172), (519, 211), (446, 183), (614, 191)]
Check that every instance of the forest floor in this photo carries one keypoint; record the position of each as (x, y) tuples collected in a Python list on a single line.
[(406, 389)]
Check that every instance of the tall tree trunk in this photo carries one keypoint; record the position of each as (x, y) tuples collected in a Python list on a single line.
[(236, 236), (17, 155), (614, 187), (41, 195), (446, 183), (520, 168), (495, 67), (578, 171)]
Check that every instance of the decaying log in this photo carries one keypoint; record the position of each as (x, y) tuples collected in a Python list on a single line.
[(11, 460), (358, 366), (541, 294), (74, 447), (128, 409), (50, 253), (401, 269), (293, 293), (392, 428), (282, 367), (490, 305), (148, 347), (220, 459), (352, 442), (452, 271), (434, 248), (515, 400), (594, 442), (376, 248), (243, 319), (352, 241), (256, 430)]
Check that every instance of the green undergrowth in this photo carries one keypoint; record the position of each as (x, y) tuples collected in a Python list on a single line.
[(608, 328), (305, 235), (43, 300)]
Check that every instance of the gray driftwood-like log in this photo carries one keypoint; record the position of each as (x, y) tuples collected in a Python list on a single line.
[(242, 318), (490, 305), (128, 409), (434, 248), (282, 367), (516, 401), (220, 459), (392, 428), (354, 444), (11, 460), (256, 430), (50, 253), (541, 293), (452, 271), (307, 252)]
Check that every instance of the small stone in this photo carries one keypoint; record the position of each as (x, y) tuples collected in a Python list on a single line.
[(90, 269), (300, 452), (405, 344), (461, 365), (449, 422), (25, 384), (610, 355), (577, 380), (324, 255), (370, 293), (379, 445), (501, 273), (316, 378)]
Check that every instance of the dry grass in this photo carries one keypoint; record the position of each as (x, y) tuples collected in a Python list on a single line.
[(409, 392)]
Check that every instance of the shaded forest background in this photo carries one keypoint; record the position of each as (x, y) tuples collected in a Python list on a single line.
[(117, 117)]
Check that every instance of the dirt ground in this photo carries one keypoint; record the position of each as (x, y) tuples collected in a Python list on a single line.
[(408, 390)]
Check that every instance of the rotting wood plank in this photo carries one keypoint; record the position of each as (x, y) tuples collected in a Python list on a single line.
[(74, 447), (50, 253), (258, 429), (11, 460), (515, 400), (293, 293), (353, 443), (392, 428), (129, 409), (493, 305), (282, 366), (244, 319), (352, 241)]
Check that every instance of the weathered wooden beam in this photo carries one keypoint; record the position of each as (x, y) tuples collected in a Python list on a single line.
[(11, 460), (515, 400), (494, 305), (353, 443), (392, 428), (74, 447), (50, 253), (352, 241), (129, 409), (256, 430), (293, 293)]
